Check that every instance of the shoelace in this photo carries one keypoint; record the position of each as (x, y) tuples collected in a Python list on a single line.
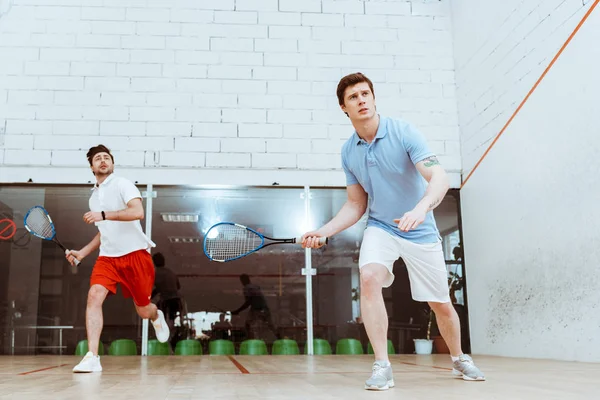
[(378, 370), (470, 366)]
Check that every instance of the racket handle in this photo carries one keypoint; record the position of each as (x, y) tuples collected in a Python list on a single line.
[(76, 261), (322, 240)]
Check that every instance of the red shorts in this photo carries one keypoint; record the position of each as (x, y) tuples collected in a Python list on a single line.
[(134, 271)]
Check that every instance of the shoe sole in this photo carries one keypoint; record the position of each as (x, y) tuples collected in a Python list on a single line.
[(458, 374), (163, 323), (167, 334), (85, 372), (390, 384), (160, 339)]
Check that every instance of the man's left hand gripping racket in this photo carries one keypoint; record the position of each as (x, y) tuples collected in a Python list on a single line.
[(227, 241), (39, 223)]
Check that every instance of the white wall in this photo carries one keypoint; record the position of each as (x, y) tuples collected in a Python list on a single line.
[(501, 48), (530, 210), (214, 91)]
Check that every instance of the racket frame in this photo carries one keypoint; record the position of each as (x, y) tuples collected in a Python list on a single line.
[(53, 238), (259, 247)]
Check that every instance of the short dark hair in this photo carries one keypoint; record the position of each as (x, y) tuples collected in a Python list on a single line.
[(159, 260), (351, 80), (245, 279), (98, 149)]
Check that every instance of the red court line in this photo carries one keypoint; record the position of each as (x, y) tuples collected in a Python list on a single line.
[(426, 366), (564, 46), (245, 371), (257, 373), (42, 369), (272, 373), (238, 365)]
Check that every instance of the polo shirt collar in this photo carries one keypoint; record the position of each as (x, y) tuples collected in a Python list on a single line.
[(106, 181), (381, 132)]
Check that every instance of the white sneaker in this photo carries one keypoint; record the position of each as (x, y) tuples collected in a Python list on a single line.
[(465, 368), (382, 378), (90, 363), (161, 328)]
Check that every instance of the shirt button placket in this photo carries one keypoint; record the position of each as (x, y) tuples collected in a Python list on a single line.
[(101, 196)]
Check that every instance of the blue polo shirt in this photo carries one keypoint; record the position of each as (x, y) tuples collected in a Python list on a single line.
[(385, 168)]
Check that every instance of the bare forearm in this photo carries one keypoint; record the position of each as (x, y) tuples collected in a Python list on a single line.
[(91, 246), (242, 307), (128, 214), (345, 218), (436, 190)]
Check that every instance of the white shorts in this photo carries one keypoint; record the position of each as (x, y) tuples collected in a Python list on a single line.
[(425, 263)]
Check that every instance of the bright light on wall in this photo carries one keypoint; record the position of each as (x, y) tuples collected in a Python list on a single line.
[(213, 233), (305, 226), (179, 217)]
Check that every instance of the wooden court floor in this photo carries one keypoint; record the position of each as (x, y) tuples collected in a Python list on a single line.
[(290, 377)]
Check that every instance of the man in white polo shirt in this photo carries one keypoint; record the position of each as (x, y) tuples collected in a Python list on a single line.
[(392, 174), (116, 209)]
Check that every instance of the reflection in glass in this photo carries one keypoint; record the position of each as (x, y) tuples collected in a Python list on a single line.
[(261, 296), (43, 298), (40, 292)]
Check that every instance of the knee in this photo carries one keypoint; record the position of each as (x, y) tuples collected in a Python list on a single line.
[(370, 280), (442, 310), (146, 312), (96, 296)]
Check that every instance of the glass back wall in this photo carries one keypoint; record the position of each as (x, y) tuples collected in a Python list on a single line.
[(271, 303), (43, 298), (262, 296)]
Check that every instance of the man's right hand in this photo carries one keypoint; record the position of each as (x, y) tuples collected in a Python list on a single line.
[(310, 240), (71, 255)]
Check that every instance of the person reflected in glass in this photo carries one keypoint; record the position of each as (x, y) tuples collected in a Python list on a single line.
[(259, 310), (222, 328), (167, 286)]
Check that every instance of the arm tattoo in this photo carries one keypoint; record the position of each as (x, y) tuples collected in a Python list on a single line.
[(431, 161), (434, 203)]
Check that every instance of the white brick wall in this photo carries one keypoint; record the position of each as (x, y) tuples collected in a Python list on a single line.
[(500, 51), (215, 84)]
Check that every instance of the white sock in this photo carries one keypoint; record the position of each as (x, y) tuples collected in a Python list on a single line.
[(455, 358)]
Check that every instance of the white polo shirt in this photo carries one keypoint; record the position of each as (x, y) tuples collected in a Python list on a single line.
[(118, 238)]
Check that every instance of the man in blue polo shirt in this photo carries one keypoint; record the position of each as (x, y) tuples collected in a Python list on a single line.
[(392, 174)]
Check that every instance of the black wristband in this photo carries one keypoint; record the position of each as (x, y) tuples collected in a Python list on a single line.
[(103, 215)]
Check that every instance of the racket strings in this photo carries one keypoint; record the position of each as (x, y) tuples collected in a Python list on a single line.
[(230, 242), (39, 223)]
